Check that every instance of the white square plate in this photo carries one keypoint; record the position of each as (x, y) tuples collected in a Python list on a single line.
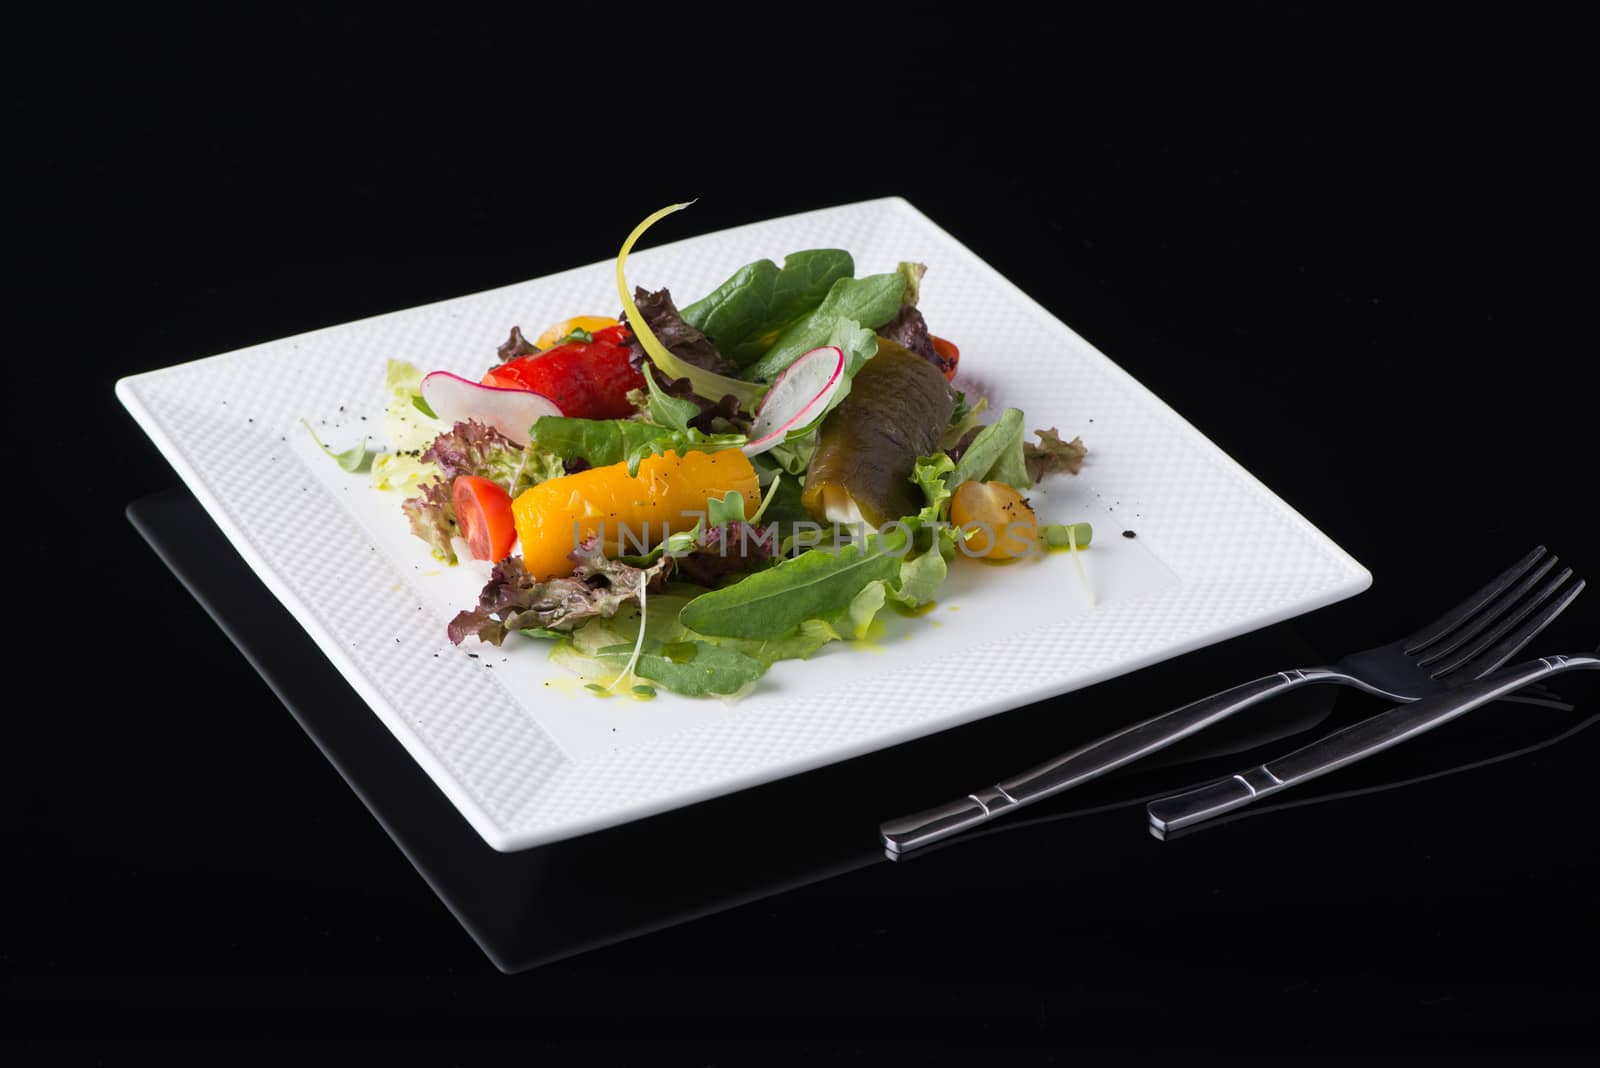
[(522, 751)]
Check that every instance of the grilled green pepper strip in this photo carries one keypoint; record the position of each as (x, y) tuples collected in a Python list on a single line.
[(899, 405)]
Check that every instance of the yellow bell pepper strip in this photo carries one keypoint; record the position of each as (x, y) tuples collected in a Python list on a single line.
[(667, 496)]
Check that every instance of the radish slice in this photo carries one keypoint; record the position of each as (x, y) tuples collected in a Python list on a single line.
[(511, 411), (799, 395)]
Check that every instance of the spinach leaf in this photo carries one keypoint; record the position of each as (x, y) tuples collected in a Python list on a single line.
[(745, 314), (870, 301)]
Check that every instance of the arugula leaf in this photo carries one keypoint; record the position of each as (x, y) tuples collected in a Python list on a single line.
[(995, 454), (355, 459), (817, 584), (804, 643), (666, 410), (667, 628), (680, 442), (745, 314), (870, 302)]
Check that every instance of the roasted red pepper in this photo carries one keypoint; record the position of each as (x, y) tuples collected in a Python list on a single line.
[(586, 379)]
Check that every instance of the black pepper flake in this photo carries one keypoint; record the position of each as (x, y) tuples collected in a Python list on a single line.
[(1129, 534), (473, 655)]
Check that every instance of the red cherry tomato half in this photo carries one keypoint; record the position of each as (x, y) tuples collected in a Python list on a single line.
[(949, 355), (586, 379), (483, 512)]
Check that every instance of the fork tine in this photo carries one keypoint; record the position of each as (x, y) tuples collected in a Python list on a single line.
[(1486, 615), (1432, 632), (1549, 608)]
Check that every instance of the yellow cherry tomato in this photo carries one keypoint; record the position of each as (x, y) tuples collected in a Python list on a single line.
[(998, 523), (591, 323)]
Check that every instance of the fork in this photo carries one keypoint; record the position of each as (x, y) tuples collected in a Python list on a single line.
[(1468, 642), (1353, 743)]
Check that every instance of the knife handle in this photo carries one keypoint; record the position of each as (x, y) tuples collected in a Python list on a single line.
[(1095, 759), (1346, 746)]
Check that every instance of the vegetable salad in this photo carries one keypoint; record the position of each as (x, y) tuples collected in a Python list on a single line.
[(678, 497)]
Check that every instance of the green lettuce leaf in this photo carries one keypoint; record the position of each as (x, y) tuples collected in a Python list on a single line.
[(405, 427)]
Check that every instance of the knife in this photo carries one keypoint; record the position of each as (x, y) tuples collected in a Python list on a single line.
[(1346, 746)]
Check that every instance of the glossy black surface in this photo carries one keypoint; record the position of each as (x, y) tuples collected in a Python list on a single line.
[(1355, 254)]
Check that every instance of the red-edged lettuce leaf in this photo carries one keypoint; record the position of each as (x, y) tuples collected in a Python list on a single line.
[(515, 600), (910, 330), (516, 345), (729, 549), (686, 342), (1052, 455), (471, 448), (433, 517)]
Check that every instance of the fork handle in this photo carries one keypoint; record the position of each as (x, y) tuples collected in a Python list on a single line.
[(1346, 746), (1095, 759)]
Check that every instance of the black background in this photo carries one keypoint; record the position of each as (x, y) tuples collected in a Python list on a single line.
[(1355, 253)]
